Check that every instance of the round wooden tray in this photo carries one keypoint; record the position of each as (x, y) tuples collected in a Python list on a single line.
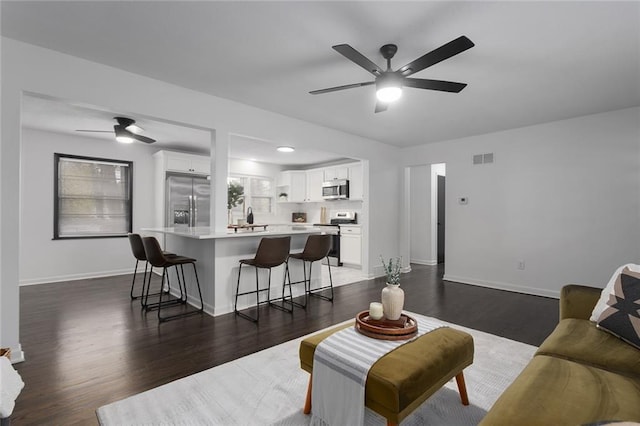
[(386, 331)]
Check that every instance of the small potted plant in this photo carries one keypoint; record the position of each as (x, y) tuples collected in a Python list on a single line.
[(392, 294), (283, 196), (235, 196)]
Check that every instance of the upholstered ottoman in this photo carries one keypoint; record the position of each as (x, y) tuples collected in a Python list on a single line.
[(402, 380)]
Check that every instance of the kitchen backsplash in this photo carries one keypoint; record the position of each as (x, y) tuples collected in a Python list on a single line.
[(285, 210)]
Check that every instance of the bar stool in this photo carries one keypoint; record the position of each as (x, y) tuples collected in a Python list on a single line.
[(135, 241), (316, 248), (158, 259), (271, 252)]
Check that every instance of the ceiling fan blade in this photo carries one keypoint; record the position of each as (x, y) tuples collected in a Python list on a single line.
[(353, 55), (443, 52), (443, 86), (142, 138), (380, 107), (347, 86), (94, 131)]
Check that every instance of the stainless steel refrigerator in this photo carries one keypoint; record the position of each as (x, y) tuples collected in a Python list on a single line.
[(187, 200)]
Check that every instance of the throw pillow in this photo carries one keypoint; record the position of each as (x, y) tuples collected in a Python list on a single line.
[(608, 290), (622, 315)]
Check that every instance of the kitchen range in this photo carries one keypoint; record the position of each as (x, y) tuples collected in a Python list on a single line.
[(333, 229)]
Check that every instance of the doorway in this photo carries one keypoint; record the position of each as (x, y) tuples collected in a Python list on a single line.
[(426, 203), (440, 197)]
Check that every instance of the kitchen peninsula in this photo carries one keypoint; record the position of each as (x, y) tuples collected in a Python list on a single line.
[(217, 256)]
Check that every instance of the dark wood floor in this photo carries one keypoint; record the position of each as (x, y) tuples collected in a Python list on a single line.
[(87, 344)]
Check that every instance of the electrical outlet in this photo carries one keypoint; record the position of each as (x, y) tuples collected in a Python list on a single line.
[(521, 265)]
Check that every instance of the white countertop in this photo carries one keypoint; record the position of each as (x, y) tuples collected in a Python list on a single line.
[(205, 233)]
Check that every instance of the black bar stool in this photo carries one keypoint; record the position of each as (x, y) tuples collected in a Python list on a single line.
[(135, 241), (316, 248), (271, 252), (158, 259)]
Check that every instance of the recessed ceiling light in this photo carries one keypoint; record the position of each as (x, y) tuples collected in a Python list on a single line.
[(285, 149)]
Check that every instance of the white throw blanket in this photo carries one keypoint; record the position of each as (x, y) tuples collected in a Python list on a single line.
[(340, 366), (10, 386)]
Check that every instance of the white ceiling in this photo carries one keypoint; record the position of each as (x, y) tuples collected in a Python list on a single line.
[(65, 117), (533, 62)]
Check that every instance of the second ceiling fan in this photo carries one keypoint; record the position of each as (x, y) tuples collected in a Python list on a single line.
[(389, 83), (126, 131)]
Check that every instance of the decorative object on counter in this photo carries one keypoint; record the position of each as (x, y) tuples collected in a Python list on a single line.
[(235, 196), (323, 215), (283, 196), (403, 328), (250, 216), (246, 226), (241, 222), (375, 310), (298, 217), (392, 294)]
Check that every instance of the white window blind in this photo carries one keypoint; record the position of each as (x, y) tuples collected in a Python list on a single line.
[(93, 197)]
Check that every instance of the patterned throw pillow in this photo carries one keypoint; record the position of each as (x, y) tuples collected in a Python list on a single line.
[(622, 314)]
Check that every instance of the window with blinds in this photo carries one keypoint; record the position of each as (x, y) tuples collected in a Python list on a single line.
[(92, 198)]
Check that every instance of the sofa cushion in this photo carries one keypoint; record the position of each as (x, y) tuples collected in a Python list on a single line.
[(581, 341), (554, 391), (601, 304), (622, 316)]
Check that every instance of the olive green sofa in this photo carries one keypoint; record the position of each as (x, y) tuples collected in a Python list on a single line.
[(580, 375)]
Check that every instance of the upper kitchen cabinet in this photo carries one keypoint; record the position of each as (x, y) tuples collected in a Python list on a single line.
[(294, 184), (315, 178), (185, 163), (356, 182), (340, 172)]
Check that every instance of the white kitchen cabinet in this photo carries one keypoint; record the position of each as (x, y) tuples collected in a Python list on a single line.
[(186, 163), (356, 182), (315, 178), (351, 245), (331, 173), (294, 184)]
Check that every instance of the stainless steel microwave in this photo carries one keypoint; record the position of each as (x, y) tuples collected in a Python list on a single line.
[(337, 189)]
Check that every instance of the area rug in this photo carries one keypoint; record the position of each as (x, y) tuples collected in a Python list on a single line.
[(268, 388)]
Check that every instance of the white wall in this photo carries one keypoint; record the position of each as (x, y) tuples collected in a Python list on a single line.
[(562, 196), (45, 260), (27, 68)]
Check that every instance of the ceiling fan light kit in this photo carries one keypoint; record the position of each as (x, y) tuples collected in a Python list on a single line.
[(388, 87), (389, 83), (126, 131)]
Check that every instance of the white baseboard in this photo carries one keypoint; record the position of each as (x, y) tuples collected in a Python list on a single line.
[(74, 277), (504, 286), (424, 262)]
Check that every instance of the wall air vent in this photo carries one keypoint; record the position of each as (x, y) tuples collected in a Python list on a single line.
[(483, 158)]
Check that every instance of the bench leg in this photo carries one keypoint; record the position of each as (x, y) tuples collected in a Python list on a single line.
[(462, 388), (307, 402)]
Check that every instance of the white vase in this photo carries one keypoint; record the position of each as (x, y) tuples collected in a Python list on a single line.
[(392, 301)]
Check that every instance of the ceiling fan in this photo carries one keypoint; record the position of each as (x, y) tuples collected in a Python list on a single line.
[(126, 131), (389, 83)]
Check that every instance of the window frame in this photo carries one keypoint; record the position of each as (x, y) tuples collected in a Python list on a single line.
[(247, 193), (56, 199)]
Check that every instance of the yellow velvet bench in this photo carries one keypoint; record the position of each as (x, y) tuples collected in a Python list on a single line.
[(403, 379)]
